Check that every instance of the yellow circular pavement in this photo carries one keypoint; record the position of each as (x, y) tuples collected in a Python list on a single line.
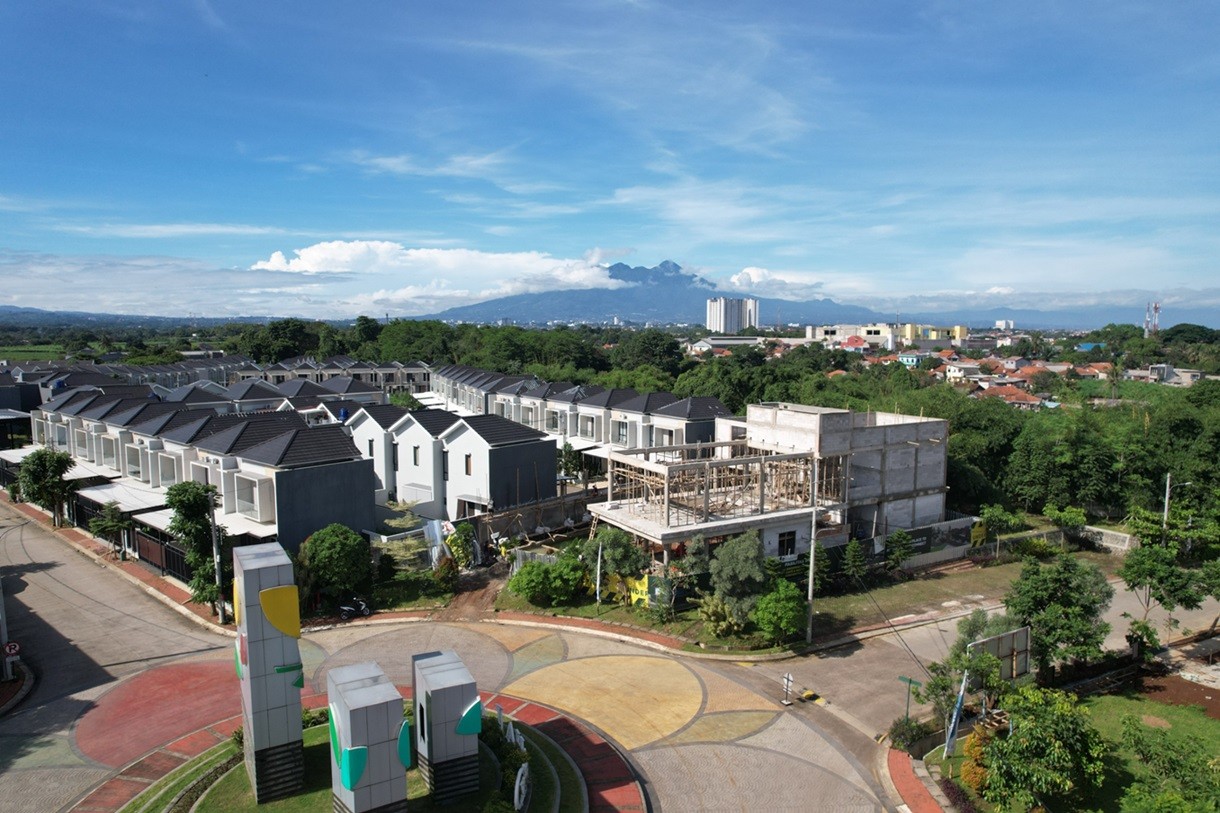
[(634, 699)]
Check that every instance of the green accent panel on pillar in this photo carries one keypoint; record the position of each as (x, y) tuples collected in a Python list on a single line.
[(404, 744), (237, 658), (300, 681), (352, 767), (472, 719), (334, 737), (292, 667)]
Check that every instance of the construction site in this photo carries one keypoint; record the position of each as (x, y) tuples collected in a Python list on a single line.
[(861, 474)]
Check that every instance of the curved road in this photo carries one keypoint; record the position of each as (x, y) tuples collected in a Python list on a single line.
[(120, 673)]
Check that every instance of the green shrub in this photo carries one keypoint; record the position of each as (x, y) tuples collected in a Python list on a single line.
[(906, 731), (446, 575), (387, 567), (1034, 546), (313, 717)]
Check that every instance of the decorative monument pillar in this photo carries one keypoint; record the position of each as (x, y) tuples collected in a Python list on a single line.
[(369, 739), (448, 719), (268, 618)]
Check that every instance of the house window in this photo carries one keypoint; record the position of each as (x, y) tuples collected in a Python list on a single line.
[(552, 420), (527, 416), (586, 427), (414, 455), (469, 465), (620, 432), (370, 447), (394, 457), (787, 543), (445, 466)]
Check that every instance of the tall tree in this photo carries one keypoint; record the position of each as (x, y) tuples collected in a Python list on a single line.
[(191, 525), (621, 558), (1052, 750), (42, 482), (339, 561), (1062, 602), (739, 574), (110, 525)]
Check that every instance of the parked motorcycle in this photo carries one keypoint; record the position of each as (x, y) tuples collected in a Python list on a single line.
[(353, 607)]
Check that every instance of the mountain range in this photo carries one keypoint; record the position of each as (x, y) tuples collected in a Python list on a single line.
[(667, 294)]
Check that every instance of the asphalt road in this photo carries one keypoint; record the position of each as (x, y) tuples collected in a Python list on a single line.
[(82, 629)]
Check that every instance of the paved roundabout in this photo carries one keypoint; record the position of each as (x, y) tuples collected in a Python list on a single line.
[(694, 733)]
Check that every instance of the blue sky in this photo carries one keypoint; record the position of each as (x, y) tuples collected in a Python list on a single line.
[(329, 159)]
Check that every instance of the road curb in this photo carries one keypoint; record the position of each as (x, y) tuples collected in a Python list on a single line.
[(27, 686)]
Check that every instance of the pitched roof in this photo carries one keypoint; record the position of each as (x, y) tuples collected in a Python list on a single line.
[(695, 408), (246, 434), (434, 421), (547, 390), (252, 389), (576, 394), (347, 385), (341, 409), (302, 386), (648, 403), (385, 415), (499, 431), (610, 398), (142, 412), (308, 446), (209, 424)]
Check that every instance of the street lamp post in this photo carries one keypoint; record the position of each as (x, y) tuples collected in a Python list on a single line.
[(1165, 512), (813, 552)]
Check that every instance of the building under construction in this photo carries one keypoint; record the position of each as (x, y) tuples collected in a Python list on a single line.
[(862, 474)]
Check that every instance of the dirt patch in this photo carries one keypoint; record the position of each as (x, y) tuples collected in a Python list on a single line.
[(476, 597), (1177, 691), (1155, 722)]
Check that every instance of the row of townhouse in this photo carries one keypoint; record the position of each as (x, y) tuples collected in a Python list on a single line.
[(52, 376), (586, 416), (277, 476), (391, 376), (452, 466)]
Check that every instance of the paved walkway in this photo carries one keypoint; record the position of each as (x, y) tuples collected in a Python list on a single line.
[(691, 734)]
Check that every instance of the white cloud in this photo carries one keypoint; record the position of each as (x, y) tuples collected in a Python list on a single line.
[(415, 281), (762, 282)]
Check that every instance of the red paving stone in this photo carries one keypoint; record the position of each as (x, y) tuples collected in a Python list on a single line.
[(154, 766), (225, 728), (910, 788), (192, 745), (152, 708), (112, 795)]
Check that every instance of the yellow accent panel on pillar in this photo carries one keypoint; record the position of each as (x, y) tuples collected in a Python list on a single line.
[(282, 609), (237, 602)]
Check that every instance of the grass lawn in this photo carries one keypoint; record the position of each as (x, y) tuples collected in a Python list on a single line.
[(1122, 766), (835, 614), (162, 792), (232, 792), (410, 590), (31, 352), (570, 782)]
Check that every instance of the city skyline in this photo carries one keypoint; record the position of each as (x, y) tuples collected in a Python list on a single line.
[(314, 160)]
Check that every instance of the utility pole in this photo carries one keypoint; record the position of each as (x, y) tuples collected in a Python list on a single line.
[(813, 552), (1165, 511), (220, 593)]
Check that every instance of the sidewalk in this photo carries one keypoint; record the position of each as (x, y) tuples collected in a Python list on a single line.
[(135, 777)]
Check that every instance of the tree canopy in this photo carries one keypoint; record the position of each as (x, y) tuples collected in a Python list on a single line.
[(1062, 602), (42, 482)]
